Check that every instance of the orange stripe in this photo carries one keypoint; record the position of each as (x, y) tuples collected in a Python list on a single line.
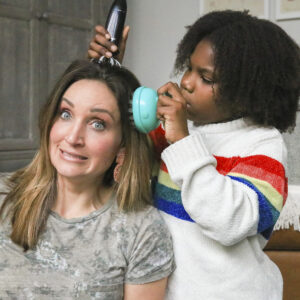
[(163, 167)]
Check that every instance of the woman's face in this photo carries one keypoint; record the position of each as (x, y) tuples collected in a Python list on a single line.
[(86, 136)]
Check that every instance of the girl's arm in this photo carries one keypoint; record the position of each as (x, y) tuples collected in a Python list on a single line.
[(229, 204), (148, 291)]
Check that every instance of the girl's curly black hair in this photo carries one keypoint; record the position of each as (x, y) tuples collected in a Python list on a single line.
[(257, 66)]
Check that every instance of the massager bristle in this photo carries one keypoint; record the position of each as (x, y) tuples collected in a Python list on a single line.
[(130, 112), (103, 59)]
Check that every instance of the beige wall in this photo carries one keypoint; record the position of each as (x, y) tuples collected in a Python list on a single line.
[(156, 28)]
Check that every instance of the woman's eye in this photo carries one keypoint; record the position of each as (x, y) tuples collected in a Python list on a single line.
[(98, 125), (65, 115)]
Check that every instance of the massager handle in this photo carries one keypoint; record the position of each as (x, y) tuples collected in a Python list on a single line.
[(116, 20)]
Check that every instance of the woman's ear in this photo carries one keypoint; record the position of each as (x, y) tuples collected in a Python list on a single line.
[(119, 162), (120, 156)]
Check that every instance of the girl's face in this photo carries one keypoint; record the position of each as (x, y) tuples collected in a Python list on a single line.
[(199, 88), (86, 136)]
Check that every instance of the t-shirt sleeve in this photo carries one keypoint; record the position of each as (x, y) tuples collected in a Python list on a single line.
[(150, 255)]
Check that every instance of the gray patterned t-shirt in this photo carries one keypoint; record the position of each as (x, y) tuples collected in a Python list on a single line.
[(87, 258)]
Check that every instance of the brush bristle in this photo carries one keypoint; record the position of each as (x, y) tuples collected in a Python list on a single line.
[(130, 111)]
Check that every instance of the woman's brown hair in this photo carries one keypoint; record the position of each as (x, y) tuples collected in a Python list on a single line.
[(32, 190)]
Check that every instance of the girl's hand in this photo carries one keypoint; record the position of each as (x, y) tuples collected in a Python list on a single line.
[(101, 46), (172, 112)]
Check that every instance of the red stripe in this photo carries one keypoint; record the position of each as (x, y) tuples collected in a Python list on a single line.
[(264, 162), (228, 164), (159, 141), (163, 166), (258, 166)]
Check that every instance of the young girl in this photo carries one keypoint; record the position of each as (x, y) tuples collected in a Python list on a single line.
[(75, 223), (222, 180)]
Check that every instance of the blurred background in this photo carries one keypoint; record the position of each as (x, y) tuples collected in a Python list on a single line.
[(39, 38)]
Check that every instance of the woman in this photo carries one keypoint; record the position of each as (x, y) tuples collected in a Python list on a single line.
[(75, 223)]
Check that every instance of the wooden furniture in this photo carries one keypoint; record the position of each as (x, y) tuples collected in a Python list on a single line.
[(283, 249)]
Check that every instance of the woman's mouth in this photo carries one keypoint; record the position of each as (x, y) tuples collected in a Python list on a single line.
[(70, 156)]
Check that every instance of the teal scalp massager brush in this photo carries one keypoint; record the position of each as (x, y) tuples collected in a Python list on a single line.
[(144, 105)]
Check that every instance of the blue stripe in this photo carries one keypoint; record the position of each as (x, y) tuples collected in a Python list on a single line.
[(172, 208), (267, 213)]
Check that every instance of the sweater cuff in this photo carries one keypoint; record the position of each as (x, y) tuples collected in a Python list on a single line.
[(184, 152)]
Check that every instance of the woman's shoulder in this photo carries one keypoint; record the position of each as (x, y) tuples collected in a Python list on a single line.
[(146, 216), (147, 246), (145, 221)]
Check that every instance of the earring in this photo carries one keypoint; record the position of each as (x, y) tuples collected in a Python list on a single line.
[(119, 160)]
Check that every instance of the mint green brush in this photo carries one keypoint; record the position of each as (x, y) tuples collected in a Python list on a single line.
[(144, 105)]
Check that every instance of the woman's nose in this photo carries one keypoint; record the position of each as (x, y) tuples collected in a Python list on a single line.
[(187, 82), (75, 136)]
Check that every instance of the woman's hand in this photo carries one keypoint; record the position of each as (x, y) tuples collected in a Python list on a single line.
[(101, 45), (172, 112)]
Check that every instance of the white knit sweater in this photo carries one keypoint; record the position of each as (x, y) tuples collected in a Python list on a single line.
[(220, 191)]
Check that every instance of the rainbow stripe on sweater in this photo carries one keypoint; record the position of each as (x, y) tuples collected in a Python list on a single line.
[(264, 175)]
